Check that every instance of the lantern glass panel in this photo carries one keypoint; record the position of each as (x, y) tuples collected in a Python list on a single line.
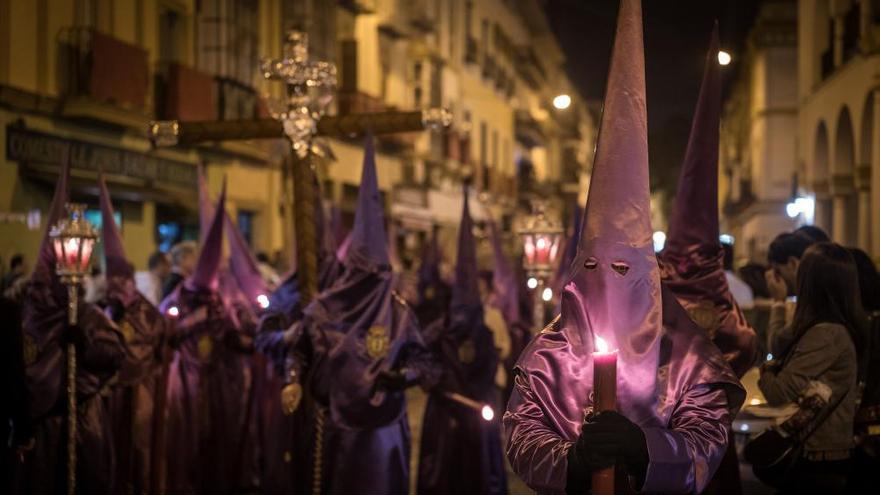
[(86, 255)]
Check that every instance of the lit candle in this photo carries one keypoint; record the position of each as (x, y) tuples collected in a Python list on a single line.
[(604, 399)]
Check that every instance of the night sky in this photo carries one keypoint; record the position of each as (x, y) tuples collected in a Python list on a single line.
[(676, 38)]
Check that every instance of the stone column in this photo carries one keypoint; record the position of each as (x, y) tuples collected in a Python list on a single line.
[(822, 217), (863, 189), (841, 190)]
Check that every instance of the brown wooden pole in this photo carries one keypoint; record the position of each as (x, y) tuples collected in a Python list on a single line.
[(305, 226)]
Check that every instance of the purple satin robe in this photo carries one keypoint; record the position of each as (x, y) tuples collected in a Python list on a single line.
[(460, 452), (132, 400), (44, 317), (349, 334), (686, 427), (207, 398)]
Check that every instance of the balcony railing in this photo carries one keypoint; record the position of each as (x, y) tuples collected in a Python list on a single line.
[(102, 68), (358, 102), (185, 93), (236, 100)]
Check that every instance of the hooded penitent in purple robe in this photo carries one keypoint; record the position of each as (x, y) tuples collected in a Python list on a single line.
[(504, 284), (433, 292), (207, 387), (285, 438), (692, 263), (460, 451), (672, 382), (131, 402), (99, 355), (352, 333)]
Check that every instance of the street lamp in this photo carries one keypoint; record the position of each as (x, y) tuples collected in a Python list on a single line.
[(72, 240), (724, 57), (561, 102), (541, 237)]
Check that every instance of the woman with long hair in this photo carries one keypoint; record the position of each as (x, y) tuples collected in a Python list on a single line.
[(827, 335)]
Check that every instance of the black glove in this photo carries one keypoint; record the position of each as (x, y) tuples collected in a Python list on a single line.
[(116, 310), (391, 381), (610, 438), (74, 334)]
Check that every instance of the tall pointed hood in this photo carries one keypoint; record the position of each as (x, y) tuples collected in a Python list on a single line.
[(114, 253), (503, 278), (368, 243), (120, 274), (614, 291), (207, 269), (206, 209), (692, 263), (243, 265), (44, 268), (694, 219), (465, 289)]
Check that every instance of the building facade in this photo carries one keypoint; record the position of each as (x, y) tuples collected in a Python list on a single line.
[(757, 155), (838, 81), (80, 80)]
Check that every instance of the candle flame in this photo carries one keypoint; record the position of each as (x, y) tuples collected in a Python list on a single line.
[(488, 413), (263, 301), (601, 345)]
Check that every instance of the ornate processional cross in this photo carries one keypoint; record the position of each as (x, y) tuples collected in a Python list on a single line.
[(300, 118)]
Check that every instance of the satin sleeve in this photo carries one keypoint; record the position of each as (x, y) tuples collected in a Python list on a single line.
[(537, 453), (685, 456)]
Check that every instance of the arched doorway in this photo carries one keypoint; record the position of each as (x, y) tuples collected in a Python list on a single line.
[(846, 216)]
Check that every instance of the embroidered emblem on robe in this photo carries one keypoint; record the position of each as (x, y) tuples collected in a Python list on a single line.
[(205, 347), (29, 350), (467, 352), (704, 315), (377, 342)]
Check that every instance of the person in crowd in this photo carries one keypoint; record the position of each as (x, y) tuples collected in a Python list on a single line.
[(826, 334), (207, 385), (676, 395), (783, 256), (46, 333), (183, 262), (136, 401), (95, 285), (356, 349), (460, 450), (149, 283), (813, 233), (866, 456), (17, 270), (267, 271)]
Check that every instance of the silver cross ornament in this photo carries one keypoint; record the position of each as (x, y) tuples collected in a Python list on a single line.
[(310, 88)]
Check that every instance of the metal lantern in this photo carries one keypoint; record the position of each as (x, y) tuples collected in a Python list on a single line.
[(73, 239), (541, 237)]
